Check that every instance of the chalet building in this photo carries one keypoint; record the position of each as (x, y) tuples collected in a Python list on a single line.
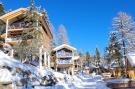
[(15, 26), (67, 60), (130, 64)]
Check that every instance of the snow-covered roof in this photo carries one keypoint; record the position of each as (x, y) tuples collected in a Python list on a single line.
[(76, 57), (64, 46), (131, 58)]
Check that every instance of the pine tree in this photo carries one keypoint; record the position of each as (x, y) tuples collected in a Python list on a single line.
[(63, 38), (113, 50), (97, 57), (1, 8), (82, 60), (88, 58)]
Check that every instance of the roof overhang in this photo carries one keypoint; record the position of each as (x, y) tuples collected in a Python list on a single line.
[(11, 15), (64, 46), (14, 15)]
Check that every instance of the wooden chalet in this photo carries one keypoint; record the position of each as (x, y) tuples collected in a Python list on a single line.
[(15, 26), (67, 61)]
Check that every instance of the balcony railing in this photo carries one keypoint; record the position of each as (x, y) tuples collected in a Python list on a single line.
[(59, 61), (77, 63), (64, 54)]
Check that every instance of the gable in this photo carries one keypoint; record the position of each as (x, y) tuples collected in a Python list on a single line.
[(64, 46)]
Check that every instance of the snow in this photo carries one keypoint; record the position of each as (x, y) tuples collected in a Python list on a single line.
[(78, 82), (59, 75), (5, 76), (118, 80), (7, 60), (131, 58), (64, 46), (65, 81)]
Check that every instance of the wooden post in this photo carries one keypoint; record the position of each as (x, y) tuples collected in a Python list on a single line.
[(6, 30), (56, 67), (40, 57), (45, 59), (56, 61), (72, 69), (12, 53), (48, 61)]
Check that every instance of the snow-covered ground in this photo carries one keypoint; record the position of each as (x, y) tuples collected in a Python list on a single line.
[(33, 78), (79, 82)]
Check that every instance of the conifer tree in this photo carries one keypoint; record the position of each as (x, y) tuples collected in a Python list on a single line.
[(82, 60), (113, 50), (1, 8), (97, 57), (88, 58)]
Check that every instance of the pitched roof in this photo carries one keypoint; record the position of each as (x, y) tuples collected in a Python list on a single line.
[(64, 46)]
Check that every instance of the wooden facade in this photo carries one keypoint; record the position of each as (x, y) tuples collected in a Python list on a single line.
[(15, 28)]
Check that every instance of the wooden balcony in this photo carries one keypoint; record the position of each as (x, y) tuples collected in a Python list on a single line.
[(64, 55), (64, 63), (15, 41), (16, 31), (12, 41)]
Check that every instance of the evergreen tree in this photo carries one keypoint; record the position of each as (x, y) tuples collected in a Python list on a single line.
[(113, 50), (1, 9), (82, 60), (88, 58), (97, 57)]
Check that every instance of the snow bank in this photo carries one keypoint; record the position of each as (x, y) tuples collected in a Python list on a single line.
[(6, 60), (5, 76), (118, 80)]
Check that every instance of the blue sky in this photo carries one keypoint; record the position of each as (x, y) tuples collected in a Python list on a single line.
[(88, 22)]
